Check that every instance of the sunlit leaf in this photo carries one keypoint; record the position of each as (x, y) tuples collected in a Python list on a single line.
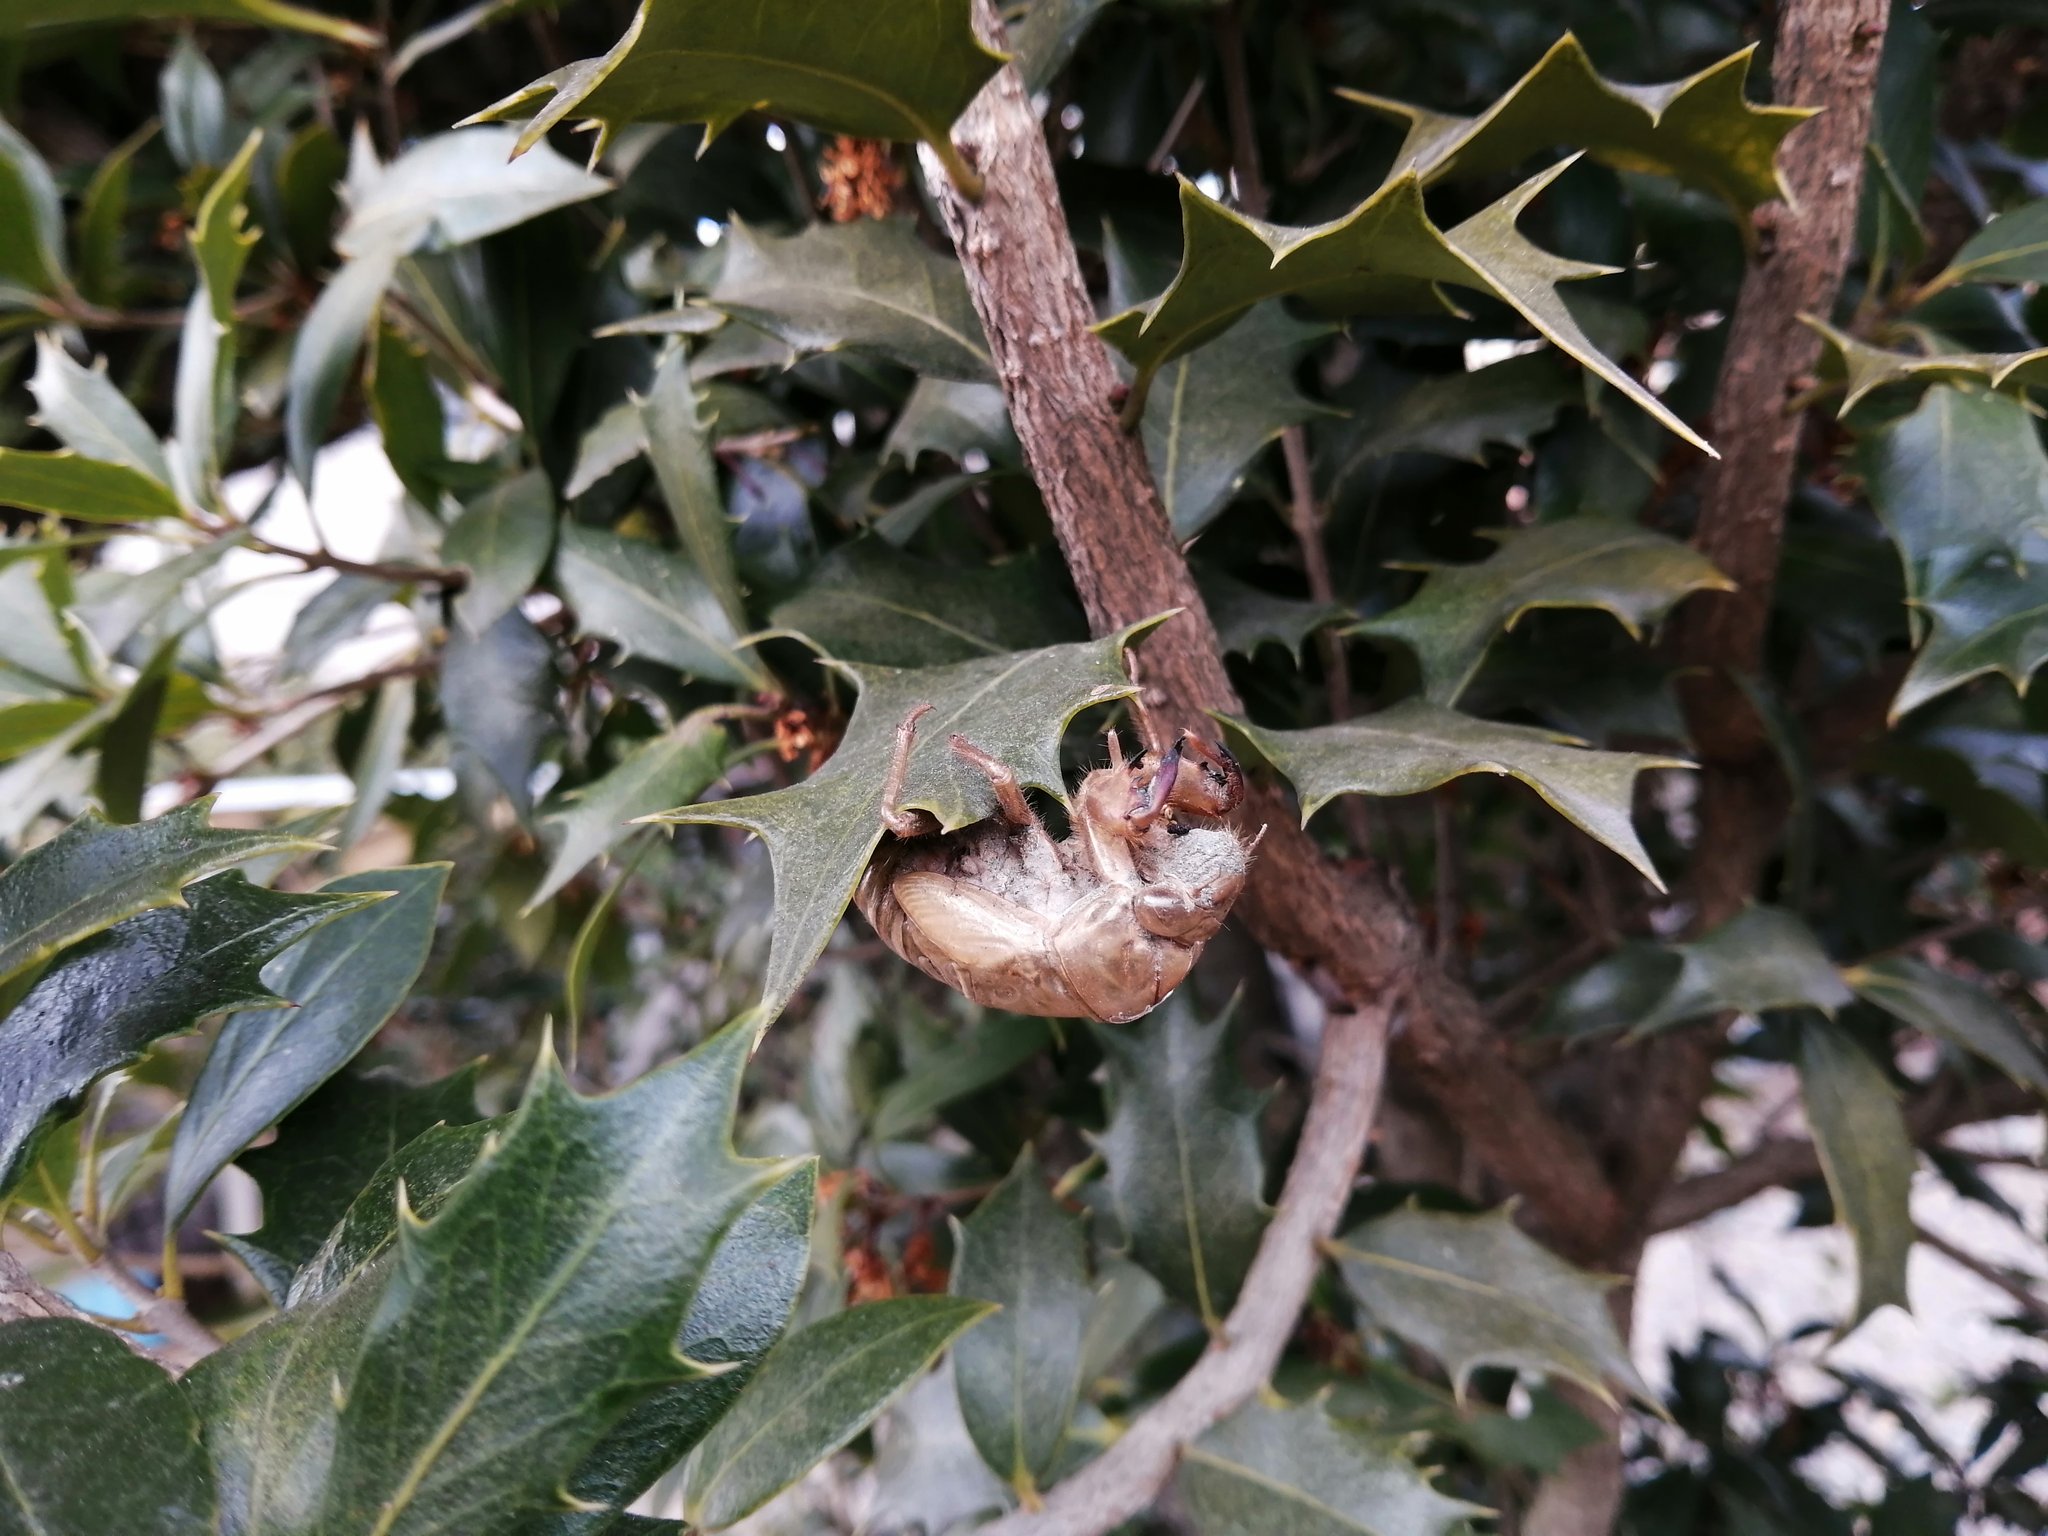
[(93, 874), (902, 73), (1477, 1290), (344, 983), (1268, 1468), (1183, 1153), (73, 1398), (454, 188), (821, 833), (1583, 562), (1867, 1156), (106, 1000), (1019, 1373), (1703, 129), (2012, 248), (1416, 746), (815, 1391), (89, 414), (871, 287), (90, 490), (31, 221)]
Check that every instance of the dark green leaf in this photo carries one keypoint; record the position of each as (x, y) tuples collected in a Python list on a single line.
[(652, 602), (739, 1311), (100, 220), (815, 1391), (1583, 562), (1477, 1290), (329, 1148), (2012, 248), (75, 1405), (324, 352), (502, 539), (31, 221), (1292, 1469), (821, 833), (995, 1047), (498, 696), (105, 1001), (344, 983), (1183, 1154), (1952, 1009), (1703, 129), (1759, 959), (951, 418), (194, 102), (93, 874), (902, 73), (1019, 1374), (1867, 368), (267, 13), (871, 287), (1868, 1159), (1247, 617), (482, 1386), (679, 443), (869, 601), (667, 771), (1047, 35), (1383, 255), (1455, 415), (1416, 746)]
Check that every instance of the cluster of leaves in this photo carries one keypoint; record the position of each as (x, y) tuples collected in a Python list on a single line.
[(695, 496)]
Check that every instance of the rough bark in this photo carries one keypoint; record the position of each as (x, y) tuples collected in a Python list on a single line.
[(1062, 390)]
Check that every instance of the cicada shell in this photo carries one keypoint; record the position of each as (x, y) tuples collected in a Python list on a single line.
[(1102, 924)]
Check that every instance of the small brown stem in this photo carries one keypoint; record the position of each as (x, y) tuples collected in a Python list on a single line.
[(450, 578), (1252, 195), (2030, 1300)]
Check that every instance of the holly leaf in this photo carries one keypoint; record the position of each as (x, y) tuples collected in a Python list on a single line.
[(95, 873), (1247, 617), (651, 602), (89, 490), (1704, 130), (106, 1000), (1019, 1374), (1452, 415), (482, 1386), (1991, 618), (344, 983), (952, 418), (1960, 1012), (77, 1398), (822, 832), (86, 411), (1866, 368), (869, 601), (663, 771), (1582, 562), (332, 1145), (52, 14), (1762, 958), (679, 442), (739, 1310), (870, 287), (31, 222), (903, 72), (1476, 1290), (1417, 745), (1268, 1468), (455, 188), (1867, 1157), (502, 539), (498, 699), (1183, 1153), (2012, 248), (1383, 256), (816, 1390)]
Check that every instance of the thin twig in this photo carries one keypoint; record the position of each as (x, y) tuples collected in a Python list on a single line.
[(451, 578), (2030, 1300), (1124, 1479)]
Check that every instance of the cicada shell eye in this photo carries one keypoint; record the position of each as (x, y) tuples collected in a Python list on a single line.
[(1210, 782)]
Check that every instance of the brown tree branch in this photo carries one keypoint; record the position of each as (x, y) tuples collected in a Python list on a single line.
[(1057, 376), (2026, 1297), (1780, 1162), (1124, 1479)]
